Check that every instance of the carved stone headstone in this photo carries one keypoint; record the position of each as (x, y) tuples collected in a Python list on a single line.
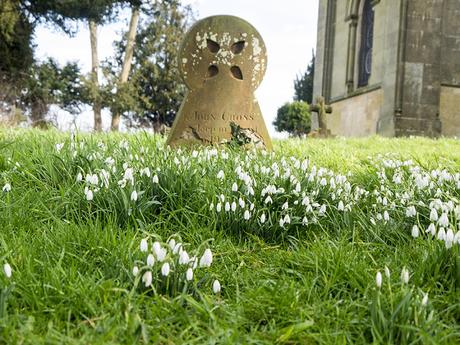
[(222, 61)]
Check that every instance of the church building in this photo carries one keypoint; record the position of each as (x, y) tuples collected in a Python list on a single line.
[(389, 67)]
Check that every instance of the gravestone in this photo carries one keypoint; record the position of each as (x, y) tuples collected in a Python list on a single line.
[(222, 61), (319, 123)]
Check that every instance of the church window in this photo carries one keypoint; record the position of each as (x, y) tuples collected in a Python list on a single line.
[(367, 37)]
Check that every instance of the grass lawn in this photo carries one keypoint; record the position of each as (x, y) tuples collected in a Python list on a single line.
[(320, 242)]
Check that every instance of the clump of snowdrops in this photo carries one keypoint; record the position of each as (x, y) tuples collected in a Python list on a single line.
[(172, 268)]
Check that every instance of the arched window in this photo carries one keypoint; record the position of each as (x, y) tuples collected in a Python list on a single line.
[(367, 38)]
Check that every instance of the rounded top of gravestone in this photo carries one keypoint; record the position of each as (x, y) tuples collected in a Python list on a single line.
[(223, 47)]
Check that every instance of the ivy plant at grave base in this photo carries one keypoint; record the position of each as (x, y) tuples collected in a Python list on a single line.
[(114, 238)]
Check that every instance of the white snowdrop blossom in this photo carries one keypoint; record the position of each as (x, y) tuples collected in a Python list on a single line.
[(189, 274), (443, 220), (415, 231), (135, 271), (6, 188), (378, 280), (220, 175), (233, 206), (441, 234), (431, 229), (411, 212), (150, 260), (216, 286), (165, 269), (155, 179), (404, 276), (425, 299), (79, 177), (219, 207), (227, 206), (134, 196), (147, 278), (206, 259), (262, 218), (7, 269), (387, 272), (144, 246), (449, 238), (184, 258), (234, 187), (89, 195), (433, 215), (247, 215)]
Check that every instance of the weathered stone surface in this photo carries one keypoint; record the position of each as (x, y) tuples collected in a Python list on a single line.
[(222, 61), (415, 63)]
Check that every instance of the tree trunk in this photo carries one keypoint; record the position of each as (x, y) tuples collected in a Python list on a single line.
[(125, 69), (94, 76)]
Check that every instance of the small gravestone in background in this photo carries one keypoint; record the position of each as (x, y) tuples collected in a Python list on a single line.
[(222, 61)]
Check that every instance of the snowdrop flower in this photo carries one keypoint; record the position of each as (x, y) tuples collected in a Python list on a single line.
[(227, 206), (441, 234), (341, 206), (211, 206), (146, 172), (282, 222), (443, 220), (378, 280), (241, 203), (172, 243), (184, 258), (387, 272), (386, 216), (144, 246), (433, 215), (425, 299), (262, 218), (449, 238), (155, 179), (285, 206), (404, 276), (206, 259), (287, 219), (304, 221), (268, 200), (431, 229), (134, 196), (234, 187), (246, 215), (135, 271), (189, 274), (150, 260), (415, 231), (457, 237), (147, 278), (411, 212), (59, 147), (322, 210), (233, 206), (219, 207), (221, 175), (89, 195), (216, 286), (79, 177), (165, 269), (6, 188), (7, 269)]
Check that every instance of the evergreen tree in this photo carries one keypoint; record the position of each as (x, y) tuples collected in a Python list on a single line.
[(303, 85)]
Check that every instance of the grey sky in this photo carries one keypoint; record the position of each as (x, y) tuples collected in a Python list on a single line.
[(288, 28)]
